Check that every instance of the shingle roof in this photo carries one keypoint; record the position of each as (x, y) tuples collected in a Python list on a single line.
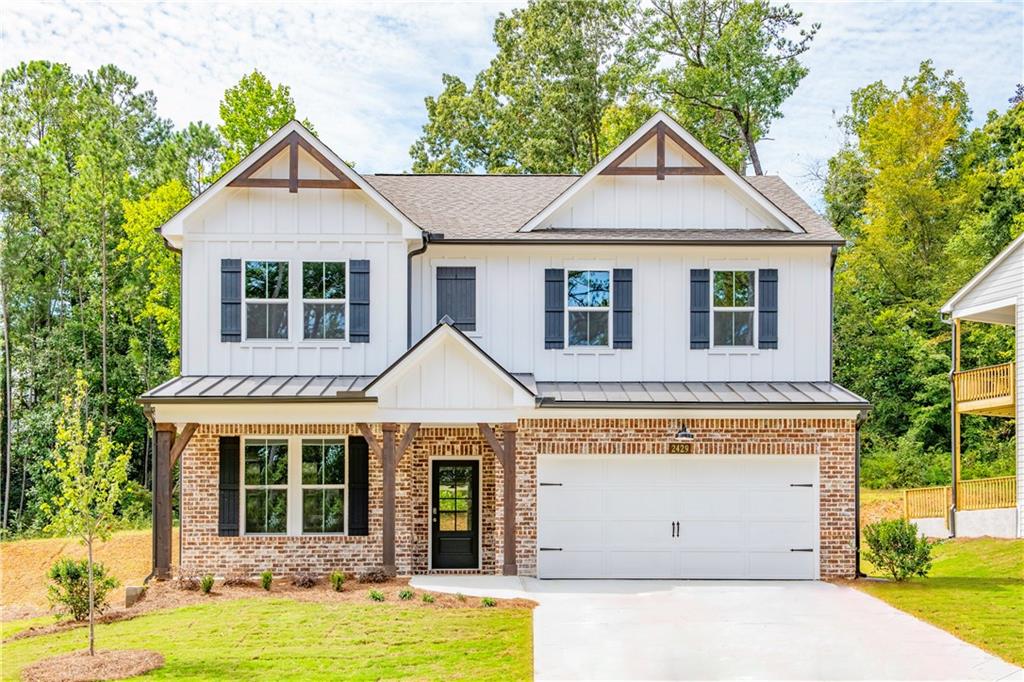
[(494, 207)]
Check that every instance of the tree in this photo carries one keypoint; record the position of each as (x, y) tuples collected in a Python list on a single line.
[(539, 105), (732, 65), (250, 112), (91, 470), (192, 156)]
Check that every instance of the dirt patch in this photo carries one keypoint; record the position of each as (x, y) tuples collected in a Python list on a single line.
[(9, 612), (79, 666), (880, 505), (167, 595)]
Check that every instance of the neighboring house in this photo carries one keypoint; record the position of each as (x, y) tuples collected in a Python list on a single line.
[(987, 506), (626, 374)]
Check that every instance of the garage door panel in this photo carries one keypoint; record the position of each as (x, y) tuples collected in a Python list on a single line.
[(738, 517), (714, 565), (721, 534), (782, 565)]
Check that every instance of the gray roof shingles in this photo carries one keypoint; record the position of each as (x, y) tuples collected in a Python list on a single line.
[(495, 207)]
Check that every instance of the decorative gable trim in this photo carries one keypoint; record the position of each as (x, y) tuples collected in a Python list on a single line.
[(661, 131), (292, 142), (699, 151), (173, 230)]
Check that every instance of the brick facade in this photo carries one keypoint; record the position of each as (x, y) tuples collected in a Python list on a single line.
[(833, 440)]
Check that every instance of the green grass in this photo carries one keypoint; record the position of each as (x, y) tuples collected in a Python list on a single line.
[(13, 627), (975, 591), (276, 639)]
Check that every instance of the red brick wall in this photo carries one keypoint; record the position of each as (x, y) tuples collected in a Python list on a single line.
[(203, 550)]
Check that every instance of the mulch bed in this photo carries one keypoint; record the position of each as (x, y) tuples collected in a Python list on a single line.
[(79, 666), (168, 595)]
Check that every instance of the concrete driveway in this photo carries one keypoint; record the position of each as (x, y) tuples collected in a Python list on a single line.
[(698, 630)]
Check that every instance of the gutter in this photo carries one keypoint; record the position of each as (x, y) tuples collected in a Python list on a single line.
[(655, 404), (640, 242), (408, 288)]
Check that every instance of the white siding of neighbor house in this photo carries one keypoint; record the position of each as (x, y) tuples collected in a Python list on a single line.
[(697, 202), (1020, 416), (510, 311), (1005, 281), (273, 224)]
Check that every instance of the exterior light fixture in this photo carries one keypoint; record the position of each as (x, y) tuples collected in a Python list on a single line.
[(683, 434)]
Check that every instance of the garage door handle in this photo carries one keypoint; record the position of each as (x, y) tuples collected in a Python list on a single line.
[(551, 549), (801, 485), (546, 484), (808, 549)]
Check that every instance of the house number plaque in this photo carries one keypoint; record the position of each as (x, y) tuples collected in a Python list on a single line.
[(680, 448)]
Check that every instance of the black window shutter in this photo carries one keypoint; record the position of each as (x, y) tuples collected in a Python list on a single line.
[(768, 308), (700, 308), (622, 308), (230, 468), (456, 296), (359, 301), (231, 300), (358, 486), (554, 308)]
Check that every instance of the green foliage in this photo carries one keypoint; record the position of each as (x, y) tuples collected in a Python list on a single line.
[(488, 602), (406, 594), (460, 597), (375, 595), (206, 583), (68, 591), (895, 548), (428, 598), (266, 580), (337, 581)]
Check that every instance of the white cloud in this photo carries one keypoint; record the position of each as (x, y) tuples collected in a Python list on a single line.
[(360, 71)]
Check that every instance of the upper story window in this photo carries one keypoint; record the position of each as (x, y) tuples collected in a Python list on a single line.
[(323, 486), (266, 299), (733, 306), (265, 487), (323, 300), (588, 302)]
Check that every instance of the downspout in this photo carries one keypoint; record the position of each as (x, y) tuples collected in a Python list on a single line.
[(408, 289), (150, 417), (831, 309), (856, 491)]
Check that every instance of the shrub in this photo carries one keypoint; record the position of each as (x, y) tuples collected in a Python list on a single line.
[(489, 602), (406, 594), (895, 548), (304, 580), (460, 596), (376, 595), (337, 581), (266, 579), (374, 575), (69, 590), (428, 599), (206, 583)]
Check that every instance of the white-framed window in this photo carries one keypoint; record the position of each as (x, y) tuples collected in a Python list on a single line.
[(324, 299), (266, 299), (323, 485), (588, 303), (733, 307), (265, 486)]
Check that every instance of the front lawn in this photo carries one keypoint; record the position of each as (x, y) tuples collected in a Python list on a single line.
[(273, 639), (975, 591)]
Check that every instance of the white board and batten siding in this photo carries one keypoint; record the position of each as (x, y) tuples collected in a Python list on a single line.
[(510, 311), (311, 225), (677, 202), (652, 516), (1005, 282)]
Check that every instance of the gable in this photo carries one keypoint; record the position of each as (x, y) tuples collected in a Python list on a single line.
[(991, 294), (661, 177)]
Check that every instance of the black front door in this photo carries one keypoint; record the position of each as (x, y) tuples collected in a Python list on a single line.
[(454, 516)]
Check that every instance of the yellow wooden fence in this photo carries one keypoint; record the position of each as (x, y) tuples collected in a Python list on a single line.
[(980, 493), (983, 383)]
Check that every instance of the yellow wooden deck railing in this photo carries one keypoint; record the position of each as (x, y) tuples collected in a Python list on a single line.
[(980, 493), (985, 383)]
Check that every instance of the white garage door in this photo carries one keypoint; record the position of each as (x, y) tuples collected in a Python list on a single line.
[(700, 516)]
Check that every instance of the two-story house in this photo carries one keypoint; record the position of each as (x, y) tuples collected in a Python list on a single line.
[(620, 374)]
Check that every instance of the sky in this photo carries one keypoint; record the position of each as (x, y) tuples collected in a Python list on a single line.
[(359, 71)]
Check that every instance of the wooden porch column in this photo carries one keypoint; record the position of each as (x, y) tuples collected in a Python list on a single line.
[(162, 501), (506, 454), (389, 456)]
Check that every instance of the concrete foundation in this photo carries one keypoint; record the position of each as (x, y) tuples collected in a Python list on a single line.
[(995, 523)]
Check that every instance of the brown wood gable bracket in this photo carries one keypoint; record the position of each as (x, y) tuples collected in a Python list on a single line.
[(292, 142), (389, 456), (661, 131), (506, 455)]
